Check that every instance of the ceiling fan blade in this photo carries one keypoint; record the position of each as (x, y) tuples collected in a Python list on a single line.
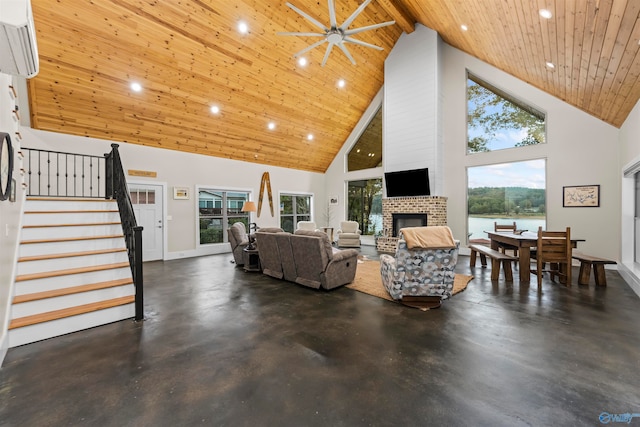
[(346, 52), (354, 15), (308, 48), (367, 28), (332, 14), (308, 17), (301, 34), (361, 43), (326, 54)]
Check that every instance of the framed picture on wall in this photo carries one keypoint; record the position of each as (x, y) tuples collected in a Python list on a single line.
[(581, 196), (180, 193)]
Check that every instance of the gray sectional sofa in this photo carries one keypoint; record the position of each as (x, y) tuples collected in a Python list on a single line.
[(305, 257)]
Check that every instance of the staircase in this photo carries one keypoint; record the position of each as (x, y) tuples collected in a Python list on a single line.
[(73, 269)]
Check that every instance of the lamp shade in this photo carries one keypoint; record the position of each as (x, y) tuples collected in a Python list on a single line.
[(249, 207)]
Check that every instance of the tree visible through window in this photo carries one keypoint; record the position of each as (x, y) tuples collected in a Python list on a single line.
[(497, 120), (294, 208), (365, 204), (214, 220)]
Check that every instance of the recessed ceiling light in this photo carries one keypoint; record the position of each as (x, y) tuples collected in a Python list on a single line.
[(243, 27), (545, 13), (464, 27), (310, 137), (271, 125), (302, 61), (136, 87), (215, 109), (341, 83), (550, 65)]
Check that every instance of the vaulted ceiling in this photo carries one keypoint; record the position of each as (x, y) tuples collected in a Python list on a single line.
[(188, 56)]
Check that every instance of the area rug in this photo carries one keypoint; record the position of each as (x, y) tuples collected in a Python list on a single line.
[(369, 281)]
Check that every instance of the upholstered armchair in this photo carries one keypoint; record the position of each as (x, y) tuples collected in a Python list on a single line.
[(307, 225), (421, 271), (238, 239), (349, 234)]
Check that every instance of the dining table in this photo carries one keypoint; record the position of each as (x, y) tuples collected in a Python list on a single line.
[(524, 241)]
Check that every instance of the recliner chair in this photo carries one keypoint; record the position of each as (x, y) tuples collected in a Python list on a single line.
[(238, 239)]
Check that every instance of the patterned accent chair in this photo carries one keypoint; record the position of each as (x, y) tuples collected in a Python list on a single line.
[(238, 239), (419, 272)]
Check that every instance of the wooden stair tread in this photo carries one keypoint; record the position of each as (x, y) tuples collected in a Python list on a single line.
[(71, 290), (71, 254), (71, 311), (80, 224), (57, 273), (72, 239)]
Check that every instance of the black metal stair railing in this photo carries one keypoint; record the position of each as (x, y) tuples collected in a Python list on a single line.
[(59, 174), (116, 188)]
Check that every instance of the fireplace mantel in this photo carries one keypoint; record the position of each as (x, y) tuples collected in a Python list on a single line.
[(434, 206)]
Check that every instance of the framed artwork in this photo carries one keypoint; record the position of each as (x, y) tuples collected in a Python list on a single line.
[(180, 193), (581, 196)]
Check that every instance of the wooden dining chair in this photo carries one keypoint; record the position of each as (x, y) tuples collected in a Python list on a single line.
[(503, 247), (554, 248)]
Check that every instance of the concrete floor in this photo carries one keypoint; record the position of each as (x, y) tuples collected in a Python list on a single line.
[(227, 348)]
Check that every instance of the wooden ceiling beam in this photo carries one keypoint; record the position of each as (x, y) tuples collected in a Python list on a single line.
[(403, 18)]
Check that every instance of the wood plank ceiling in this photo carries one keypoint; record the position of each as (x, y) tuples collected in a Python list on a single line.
[(188, 56)]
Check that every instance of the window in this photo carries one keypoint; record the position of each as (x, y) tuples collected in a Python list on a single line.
[(213, 219), (504, 193), (294, 208), (367, 151), (497, 120), (365, 205)]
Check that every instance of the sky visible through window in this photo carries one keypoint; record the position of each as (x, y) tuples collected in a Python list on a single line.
[(528, 174)]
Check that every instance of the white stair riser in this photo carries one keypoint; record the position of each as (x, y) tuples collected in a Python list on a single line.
[(68, 301), (69, 232), (70, 218), (41, 266), (69, 205), (33, 333), (34, 249), (60, 282)]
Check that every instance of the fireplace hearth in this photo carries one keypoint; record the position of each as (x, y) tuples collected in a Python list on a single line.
[(402, 220)]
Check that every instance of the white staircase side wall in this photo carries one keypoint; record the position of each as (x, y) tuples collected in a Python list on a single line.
[(34, 249), (55, 204), (68, 301), (70, 232), (70, 218), (38, 332), (61, 282), (44, 265)]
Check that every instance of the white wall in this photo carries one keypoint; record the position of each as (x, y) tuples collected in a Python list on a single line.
[(10, 214), (412, 103), (629, 163), (179, 169)]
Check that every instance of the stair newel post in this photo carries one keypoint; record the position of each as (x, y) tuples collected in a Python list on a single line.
[(137, 273), (108, 175)]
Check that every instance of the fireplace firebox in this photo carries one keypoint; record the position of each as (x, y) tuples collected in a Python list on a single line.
[(401, 220)]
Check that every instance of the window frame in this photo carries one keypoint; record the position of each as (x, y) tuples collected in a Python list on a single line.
[(294, 215), (225, 217)]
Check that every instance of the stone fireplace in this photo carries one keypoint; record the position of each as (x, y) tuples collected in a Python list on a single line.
[(432, 208)]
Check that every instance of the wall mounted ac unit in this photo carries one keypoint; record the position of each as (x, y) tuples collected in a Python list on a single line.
[(18, 50)]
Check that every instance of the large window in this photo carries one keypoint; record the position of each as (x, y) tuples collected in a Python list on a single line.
[(365, 204), (497, 120), (367, 151), (294, 208), (505, 193), (218, 209)]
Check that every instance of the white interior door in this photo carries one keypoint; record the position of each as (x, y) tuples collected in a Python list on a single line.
[(147, 200)]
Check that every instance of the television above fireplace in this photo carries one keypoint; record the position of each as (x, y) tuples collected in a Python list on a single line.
[(408, 183)]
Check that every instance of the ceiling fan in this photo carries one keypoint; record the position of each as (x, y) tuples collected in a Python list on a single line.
[(334, 34)]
